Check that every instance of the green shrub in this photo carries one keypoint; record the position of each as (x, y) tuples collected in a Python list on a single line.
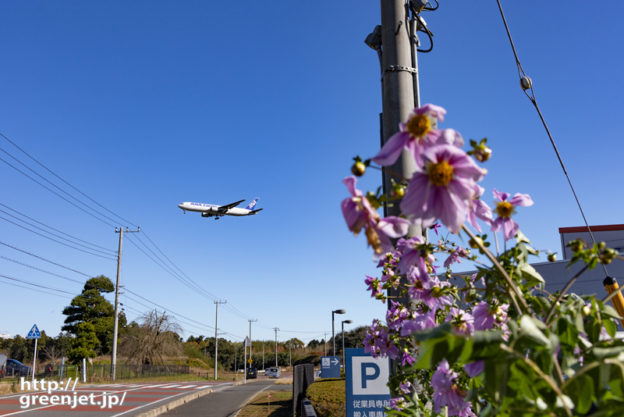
[(328, 397)]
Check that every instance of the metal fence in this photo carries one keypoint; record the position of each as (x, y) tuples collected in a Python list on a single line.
[(97, 373)]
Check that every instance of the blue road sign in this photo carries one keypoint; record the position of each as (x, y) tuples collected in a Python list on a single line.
[(330, 367), (34, 333), (366, 379)]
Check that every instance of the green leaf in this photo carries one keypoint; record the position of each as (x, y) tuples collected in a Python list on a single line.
[(530, 274), (581, 389), (529, 327)]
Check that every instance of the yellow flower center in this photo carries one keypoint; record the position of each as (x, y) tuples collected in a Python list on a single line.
[(504, 209), (440, 174), (419, 125)]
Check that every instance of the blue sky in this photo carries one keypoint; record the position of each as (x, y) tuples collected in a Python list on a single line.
[(142, 105)]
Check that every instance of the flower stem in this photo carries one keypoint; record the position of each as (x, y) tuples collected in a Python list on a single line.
[(513, 290), (537, 370), (563, 291)]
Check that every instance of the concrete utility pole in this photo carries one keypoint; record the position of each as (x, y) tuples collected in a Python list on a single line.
[(276, 329), (399, 83), (250, 321), (116, 313), (217, 335)]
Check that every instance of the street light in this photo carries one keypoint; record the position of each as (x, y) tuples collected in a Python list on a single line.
[(343, 352), (339, 311)]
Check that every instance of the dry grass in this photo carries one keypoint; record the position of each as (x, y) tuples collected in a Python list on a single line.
[(269, 404), (7, 388), (328, 397)]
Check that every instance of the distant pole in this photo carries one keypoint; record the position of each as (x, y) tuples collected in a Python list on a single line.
[(325, 340), (245, 364), (116, 312), (34, 362), (339, 311), (217, 335), (343, 346), (276, 329), (250, 321)]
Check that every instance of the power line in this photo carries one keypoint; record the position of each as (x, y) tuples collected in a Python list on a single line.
[(184, 279), (103, 249), (63, 180), (55, 193), (527, 87), (52, 239), (35, 289), (2, 276), (44, 259), (41, 270)]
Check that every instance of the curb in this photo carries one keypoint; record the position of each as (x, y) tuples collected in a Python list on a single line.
[(248, 400), (175, 403)]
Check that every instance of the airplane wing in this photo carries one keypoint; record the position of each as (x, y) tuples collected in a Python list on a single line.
[(225, 208)]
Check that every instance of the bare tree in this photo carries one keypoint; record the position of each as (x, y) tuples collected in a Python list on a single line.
[(155, 337)]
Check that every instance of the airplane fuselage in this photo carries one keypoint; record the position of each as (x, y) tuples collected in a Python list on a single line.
[(208, 210)]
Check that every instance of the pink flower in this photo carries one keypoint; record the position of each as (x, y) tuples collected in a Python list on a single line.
[(443, 187), (447, 394), (478, 208), (421, 322), (456, 256), (359, 213), (505, 208), (374, 286), (462, 322), (419, 132)]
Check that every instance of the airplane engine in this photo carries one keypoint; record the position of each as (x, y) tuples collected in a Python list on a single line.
[(205, 214)]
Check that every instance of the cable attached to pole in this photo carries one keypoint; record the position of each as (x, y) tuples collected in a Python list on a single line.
[(527, 87)]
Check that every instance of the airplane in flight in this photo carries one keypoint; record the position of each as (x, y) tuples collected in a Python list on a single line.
[(217, 211)]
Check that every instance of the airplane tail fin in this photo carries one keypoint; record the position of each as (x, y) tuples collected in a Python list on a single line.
[(252, 204)]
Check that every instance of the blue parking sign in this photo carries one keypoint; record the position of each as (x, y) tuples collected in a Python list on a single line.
[(330, 367), (366, 383)]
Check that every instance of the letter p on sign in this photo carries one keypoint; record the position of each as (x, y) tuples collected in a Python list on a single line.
[(370, 375)]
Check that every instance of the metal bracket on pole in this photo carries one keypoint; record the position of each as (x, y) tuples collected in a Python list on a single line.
[(396, 68)]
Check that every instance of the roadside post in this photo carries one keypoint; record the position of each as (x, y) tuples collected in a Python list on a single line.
[(366, 379), (34, 334), (245, 344), (330, 367)]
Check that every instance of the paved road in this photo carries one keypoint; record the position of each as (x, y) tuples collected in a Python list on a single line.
[(225, 402), (137, 398)]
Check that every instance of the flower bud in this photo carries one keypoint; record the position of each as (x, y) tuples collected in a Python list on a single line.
[(358, 168), (552, 257), (483, 153), (398, 190), (586, 310), (474, 243)]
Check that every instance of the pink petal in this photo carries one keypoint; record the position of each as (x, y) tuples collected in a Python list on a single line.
[(450, 137), (350, 183), (524, 200), (393, 227), (431, 109), (482, 210), (510, 228), (416, 195), (499, 195), (391, 150)]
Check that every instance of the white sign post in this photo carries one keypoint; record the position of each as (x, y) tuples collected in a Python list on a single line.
[(34, 334)]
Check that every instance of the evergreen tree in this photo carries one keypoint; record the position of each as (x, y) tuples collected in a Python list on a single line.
[(84, 344), (90, 306)]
